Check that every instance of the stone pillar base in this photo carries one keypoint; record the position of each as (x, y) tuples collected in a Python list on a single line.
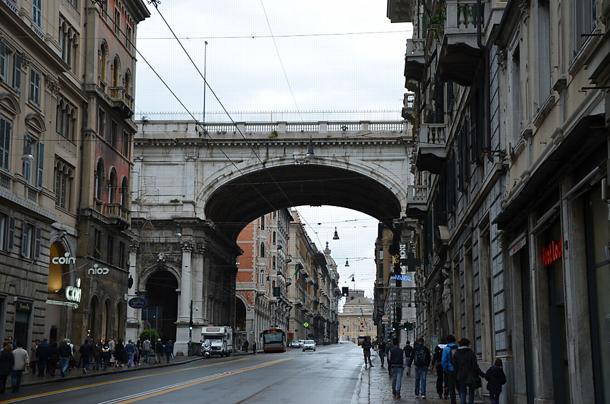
[(182, 339), (132, 332)]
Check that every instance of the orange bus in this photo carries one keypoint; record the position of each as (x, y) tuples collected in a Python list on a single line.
[(274, 340)]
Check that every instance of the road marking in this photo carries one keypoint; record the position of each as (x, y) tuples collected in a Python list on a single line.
[(91, 385), (189, 383)]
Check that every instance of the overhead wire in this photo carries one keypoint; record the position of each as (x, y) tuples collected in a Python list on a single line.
[(295, 35)]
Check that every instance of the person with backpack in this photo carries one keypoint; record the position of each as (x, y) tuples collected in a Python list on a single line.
[(381, 350), (409, 355), (396, 364), (495, 379), (65, 352), (441, 383), (421, 358), (467, 369), (448, 368)]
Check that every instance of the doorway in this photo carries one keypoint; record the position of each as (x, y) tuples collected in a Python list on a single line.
[(161, 312)]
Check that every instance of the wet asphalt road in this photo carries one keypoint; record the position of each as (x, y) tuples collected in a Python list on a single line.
[(329, 375)]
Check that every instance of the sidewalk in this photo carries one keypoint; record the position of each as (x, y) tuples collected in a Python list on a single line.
[(375, 386), (30, 379)]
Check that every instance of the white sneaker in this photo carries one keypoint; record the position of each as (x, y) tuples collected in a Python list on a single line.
[(423, 397)]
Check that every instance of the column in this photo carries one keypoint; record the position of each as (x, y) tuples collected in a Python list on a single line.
[(197, 291), (182, 325), (133, 315)]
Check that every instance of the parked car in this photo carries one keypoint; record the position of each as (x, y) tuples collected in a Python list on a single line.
[(309, 345), (297, 343)]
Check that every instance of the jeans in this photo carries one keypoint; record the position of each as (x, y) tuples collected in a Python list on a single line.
[(440, 378), (16, 380), (129, 360), (420, 380), (381, 357), (495, 397), (396, 378), (63, 366), (463, 389), (450, 383)]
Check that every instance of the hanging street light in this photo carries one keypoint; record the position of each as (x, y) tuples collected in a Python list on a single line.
[(347, 265), (336, 235)]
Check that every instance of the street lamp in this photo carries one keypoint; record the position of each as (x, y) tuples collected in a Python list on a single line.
[(336, 235)]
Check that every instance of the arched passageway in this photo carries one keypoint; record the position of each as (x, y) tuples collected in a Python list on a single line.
[(161, 312)]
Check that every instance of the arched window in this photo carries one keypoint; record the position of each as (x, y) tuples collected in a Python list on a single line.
[(262, 250), (274, 238), (102, 60), (112, 186), (99, 179), (116, 71), (127, 81), (124, 192)]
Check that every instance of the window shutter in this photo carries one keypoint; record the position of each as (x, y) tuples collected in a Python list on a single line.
[(17, 72), (40, 166), (38, 242), (24, 243), (11, 233)]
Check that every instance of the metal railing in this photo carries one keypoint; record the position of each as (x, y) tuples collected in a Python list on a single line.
[(417, 193), (115, 210)]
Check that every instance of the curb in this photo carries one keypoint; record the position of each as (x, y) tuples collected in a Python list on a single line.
[(86, 376)]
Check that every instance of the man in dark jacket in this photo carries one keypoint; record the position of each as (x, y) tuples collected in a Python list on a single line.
[(495, 379), (448, 368), (441, 383), (468, 371), (85, 352), (158, 351), (381, 350), (42, 355), (65, 352), (409, 356), (396, 363), (7, 361), (366, 350), (421, 359)]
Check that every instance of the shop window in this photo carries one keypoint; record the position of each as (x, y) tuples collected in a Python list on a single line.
[(57, 271), (37, 12)]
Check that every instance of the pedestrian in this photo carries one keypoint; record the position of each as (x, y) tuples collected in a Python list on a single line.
[(388, 347), (6, 364), (381, 350), (366, 350), (65, 352), (245, 346), (136, 353), (409, 356), (169, 350), (159, 351), (146, 348), (97, 354), (106, 355), (130, 350), (120, 355), (448, 367), (33, 356), (42, 356), (468, 371), (254, 348), (396, 364), (421, 359), (441, 383), (495, 379), (85, 355), (20, 361), (53, 359)]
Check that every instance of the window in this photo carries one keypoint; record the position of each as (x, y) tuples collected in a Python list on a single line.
[(101, 122), (99, 179), (4, 62), (37, 12), (126, 144), (97, 243), (34, 87), (515, 87), (115, 71), (112, 186), (114, 133), (117, 21), (3, 231), (5, 143), (262, 222), (10, 66), (585, 13), (110, 249), (68, 40), (65, 123), (63, 183), (128, 36), (262, 250), (124, 192), (27, 240), (33, 158), (274, 238), (102, 60), (122, 256), (544, 51), (73, 3)]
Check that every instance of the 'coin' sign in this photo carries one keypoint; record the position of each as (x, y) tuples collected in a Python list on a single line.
[(73, 293), (97, 270), (66, 259)]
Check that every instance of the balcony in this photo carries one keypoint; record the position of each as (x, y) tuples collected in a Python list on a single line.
[(117, 212), (407, 107), (401, 10), (121, 100), (417, 199), (431, 153), (460, 53), (415, 62)]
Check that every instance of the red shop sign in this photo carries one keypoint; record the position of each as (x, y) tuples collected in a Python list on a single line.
[(551, 252)]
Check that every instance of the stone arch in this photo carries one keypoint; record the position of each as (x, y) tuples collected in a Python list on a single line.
[(99, 179), (147, 272), (106, 323), (116, 71), (35, 121), (161, 312)]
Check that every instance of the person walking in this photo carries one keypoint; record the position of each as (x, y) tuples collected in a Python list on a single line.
[(120, 355), (396, 363), (130, 350), (421, 359), (169, 350), (158, 351), (441, 383), (65, 352), (495, 379), (20, 361), (53, 359), (42, 356), (381, 350), (245, 346), (146, 348), (468, 372), (409, 356), (85, 351), (366, 350), (388, 347), (448, 367), (6, 364), (254, 347)]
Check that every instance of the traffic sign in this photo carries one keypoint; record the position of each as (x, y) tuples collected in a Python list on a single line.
[(306, 324), (137, 302)]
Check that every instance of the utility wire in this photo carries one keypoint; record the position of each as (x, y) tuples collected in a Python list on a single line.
[(264, 36)]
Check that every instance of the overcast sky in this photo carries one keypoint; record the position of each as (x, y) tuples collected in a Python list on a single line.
[(329, 73)]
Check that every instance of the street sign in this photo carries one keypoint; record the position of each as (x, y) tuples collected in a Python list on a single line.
[(306, 324), (137, 302), (402, 277)]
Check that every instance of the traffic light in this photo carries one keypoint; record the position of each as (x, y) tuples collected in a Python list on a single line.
[(345, 291), (395, 326), (408, 326)]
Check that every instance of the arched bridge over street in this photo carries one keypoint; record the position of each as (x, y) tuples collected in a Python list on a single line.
[(232, 174)]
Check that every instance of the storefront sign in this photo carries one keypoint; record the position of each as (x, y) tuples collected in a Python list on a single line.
[(97, 270), (137, 302), (66, 259), (23, 307), (403, 277), (73, 293), (551, 252)]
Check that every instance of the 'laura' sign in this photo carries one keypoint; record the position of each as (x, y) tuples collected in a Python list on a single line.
[(551, 252)]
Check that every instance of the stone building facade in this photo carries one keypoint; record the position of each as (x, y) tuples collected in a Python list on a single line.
[(356, 319), (48, 98), (511, 115)]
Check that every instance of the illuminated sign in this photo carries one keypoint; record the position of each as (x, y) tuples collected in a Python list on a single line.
[(551, 252), (73, 293), (97, 270), (66, 259), (402, 277)]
